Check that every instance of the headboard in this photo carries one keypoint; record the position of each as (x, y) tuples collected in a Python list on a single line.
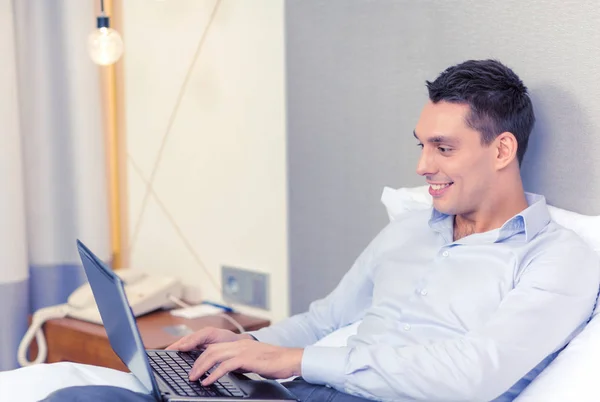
[(355, 74), (563, 160)]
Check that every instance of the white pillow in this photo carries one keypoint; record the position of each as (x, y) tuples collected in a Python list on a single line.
[(339, 337), (403, 200)]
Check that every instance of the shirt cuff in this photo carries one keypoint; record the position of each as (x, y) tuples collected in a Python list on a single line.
[(265, 335), (325, 365)]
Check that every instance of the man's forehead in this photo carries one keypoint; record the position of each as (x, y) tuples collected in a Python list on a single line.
[(438, 138), (443, 122)]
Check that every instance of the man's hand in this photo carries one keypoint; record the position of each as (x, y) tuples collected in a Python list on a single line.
[(204, 337), (249, 356), (231, 351)]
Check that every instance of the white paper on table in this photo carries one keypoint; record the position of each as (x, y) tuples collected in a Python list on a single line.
[(199, 310)]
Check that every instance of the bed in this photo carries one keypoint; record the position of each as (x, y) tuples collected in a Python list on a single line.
[(570, 377)]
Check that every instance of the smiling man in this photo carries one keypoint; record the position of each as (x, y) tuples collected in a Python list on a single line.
[(468, 301)]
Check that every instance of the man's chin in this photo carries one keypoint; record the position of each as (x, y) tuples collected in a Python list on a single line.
[(442, 207)]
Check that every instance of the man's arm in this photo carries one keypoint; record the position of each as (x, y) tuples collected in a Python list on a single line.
[(278, 353), (552, 300), (346, 304)]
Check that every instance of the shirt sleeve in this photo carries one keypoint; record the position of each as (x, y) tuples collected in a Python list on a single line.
[(346, 304), (551, 302)]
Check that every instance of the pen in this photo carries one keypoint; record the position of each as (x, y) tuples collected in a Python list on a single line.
[(226, 308)]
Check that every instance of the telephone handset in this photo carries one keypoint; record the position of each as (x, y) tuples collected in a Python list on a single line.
[(145, 293)]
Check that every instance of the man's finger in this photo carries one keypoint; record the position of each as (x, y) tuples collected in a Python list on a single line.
[(223, 368), (181, 344), (212, 356), (207, 359), (189, 342), (174, 345)]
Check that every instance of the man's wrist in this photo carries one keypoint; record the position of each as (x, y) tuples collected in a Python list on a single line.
[(296, 361), (246, 335)]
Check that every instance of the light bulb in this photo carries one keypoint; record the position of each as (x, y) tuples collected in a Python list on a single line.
[(105, 44)]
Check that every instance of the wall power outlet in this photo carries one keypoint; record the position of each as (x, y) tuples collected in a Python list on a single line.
[(242, 286)]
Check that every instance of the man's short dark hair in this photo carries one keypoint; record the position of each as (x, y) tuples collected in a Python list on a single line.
[(498, 99)]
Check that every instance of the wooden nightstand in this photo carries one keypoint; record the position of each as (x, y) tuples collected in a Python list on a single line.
[(83, 342)]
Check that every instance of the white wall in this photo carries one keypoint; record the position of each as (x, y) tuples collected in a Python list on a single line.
[(356, 74), (13, 250), (221, 174)]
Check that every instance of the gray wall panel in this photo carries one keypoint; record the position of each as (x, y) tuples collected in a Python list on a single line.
[(355, 87)]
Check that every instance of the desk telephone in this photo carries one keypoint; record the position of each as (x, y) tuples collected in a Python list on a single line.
[(145, 293)]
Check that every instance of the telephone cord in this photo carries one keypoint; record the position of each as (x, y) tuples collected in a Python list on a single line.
[(62, 310), (35, 330)]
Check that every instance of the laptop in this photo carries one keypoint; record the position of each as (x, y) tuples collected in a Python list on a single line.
[(163, 373)]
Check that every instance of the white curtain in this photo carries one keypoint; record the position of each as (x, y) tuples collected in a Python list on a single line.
[(52, 159)]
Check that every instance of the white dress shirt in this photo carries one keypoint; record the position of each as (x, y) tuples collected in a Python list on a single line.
[(474, 319)]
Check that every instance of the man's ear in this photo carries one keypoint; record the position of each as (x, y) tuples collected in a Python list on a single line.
[(506, 149)]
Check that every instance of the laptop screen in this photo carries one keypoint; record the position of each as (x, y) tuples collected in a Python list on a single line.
[(117, 317)]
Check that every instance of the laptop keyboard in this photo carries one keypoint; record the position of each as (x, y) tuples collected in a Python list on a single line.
[(174, 368)]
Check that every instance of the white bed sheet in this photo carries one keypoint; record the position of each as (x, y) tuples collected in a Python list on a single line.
[(575, 373), (572, 376), (37, 382)]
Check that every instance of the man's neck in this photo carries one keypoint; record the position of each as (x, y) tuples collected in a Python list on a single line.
[(492, 215)]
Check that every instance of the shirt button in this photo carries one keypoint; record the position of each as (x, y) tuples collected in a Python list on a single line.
[(407, 327), (423, 292), (446, 253)]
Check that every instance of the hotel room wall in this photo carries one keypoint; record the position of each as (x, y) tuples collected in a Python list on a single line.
[(220, 173), (356, 74)]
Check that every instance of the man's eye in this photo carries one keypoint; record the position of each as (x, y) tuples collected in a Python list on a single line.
[(420, 145), (443, 149)]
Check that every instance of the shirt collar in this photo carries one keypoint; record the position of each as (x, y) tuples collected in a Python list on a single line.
[(530, 221)]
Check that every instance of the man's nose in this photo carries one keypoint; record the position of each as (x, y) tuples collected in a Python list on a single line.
[(425, 166)]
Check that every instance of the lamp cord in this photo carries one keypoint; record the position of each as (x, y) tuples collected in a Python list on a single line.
[(161, 149), (232, 320), (102, 6), (149, 183)]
